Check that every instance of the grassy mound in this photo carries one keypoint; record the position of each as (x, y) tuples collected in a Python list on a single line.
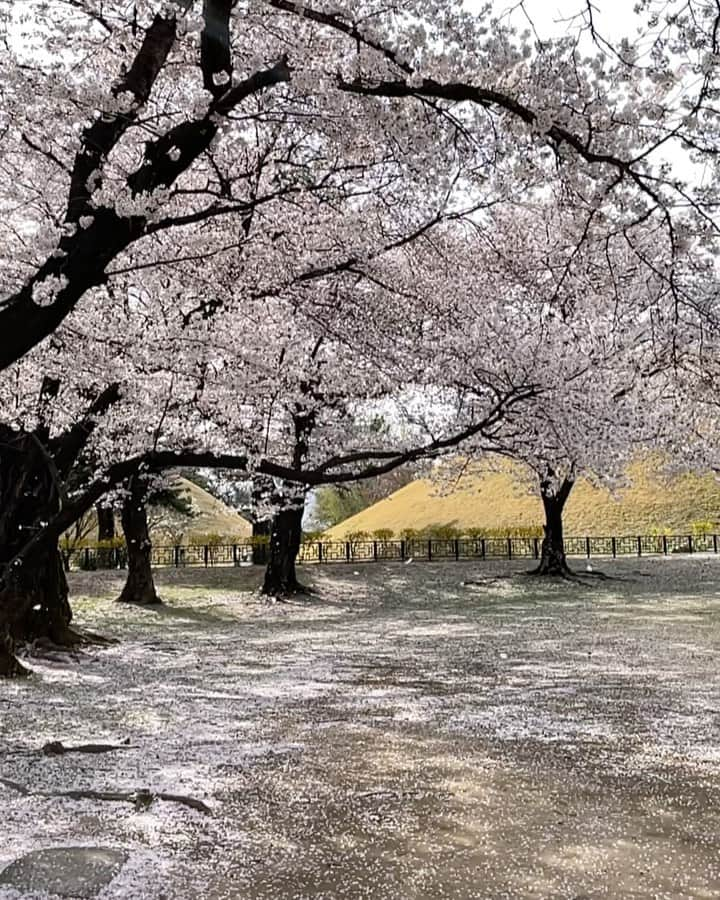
[(503, 501)]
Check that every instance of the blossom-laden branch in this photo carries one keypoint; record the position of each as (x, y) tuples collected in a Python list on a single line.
[(342, 469)]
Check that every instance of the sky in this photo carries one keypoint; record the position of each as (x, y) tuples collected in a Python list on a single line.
[(613, 18)]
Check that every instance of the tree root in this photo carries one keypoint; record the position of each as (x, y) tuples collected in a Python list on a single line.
[(287, 595), (132, 602), (571, 576), (57, 748), (601, 576), (11, 667), (141, 798), (64, 642), (487, 582), (89, 638)]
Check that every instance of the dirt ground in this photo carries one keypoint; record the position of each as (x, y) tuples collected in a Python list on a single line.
[(404, 734)]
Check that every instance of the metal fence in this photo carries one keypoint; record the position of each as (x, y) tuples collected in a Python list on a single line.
[(420, 549)]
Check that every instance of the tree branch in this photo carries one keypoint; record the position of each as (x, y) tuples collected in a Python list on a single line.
[(215, 53)]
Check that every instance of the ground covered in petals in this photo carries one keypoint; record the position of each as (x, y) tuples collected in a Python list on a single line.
[(403, 734)]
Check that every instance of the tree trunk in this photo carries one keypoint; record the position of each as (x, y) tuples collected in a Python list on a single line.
[(262, 492), (552, 554), (34, 594), (139, 586), (106, 534), (285, 540), (106, 522), (261, 531)]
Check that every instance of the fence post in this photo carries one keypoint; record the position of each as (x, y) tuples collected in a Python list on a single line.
[(536, 548), (87, 558), (690, 544), (235, 554), (509, 548), (639, 545), (374, 551), (714, 543), (587, 547), (206, 555), (482, 548), (320, 552), (613, 547), (347, 551), (457, 549), (429, 549)]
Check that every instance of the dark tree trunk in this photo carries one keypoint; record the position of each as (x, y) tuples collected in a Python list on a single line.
[(552, 554), (106, 522), (262, 492), (285, 539), (261, 531), (106, 534), (139, 586), (33, 470), (34, 594)]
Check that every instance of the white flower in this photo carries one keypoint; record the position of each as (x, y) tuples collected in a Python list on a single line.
[(45, 292)]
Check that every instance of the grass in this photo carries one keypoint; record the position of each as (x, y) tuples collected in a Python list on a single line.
[(651, 503)]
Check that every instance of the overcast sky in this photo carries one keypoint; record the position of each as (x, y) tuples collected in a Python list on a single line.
[(613, 18)]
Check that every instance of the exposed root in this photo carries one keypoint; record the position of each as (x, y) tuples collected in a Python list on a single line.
[(156, 601), (487, 582), (46, 651), (63, 642), (287, 593), (14, 786), (140, 798), (601, 576), (69, 638), (57, 748), (67, 643), (567, 574), (10, 666)]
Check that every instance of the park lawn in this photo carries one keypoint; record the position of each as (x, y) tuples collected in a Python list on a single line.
[(403, 734)]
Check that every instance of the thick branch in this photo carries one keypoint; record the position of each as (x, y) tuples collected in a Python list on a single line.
[(335, 471), (99, 138), (334, 21), (67, 447), (215, 53), (170, 155), (81, 259)]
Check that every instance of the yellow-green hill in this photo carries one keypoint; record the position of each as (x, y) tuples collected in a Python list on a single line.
[(212, 516), (167, 526), (490, 500)]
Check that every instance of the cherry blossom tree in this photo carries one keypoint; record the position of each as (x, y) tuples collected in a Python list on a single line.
[(275, 363), (224, 162), (589, 327), (153, 104)]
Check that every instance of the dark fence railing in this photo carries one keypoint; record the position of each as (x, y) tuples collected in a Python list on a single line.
[(420, 549)]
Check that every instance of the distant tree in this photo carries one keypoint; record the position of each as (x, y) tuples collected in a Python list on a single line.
[(335, 503)]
